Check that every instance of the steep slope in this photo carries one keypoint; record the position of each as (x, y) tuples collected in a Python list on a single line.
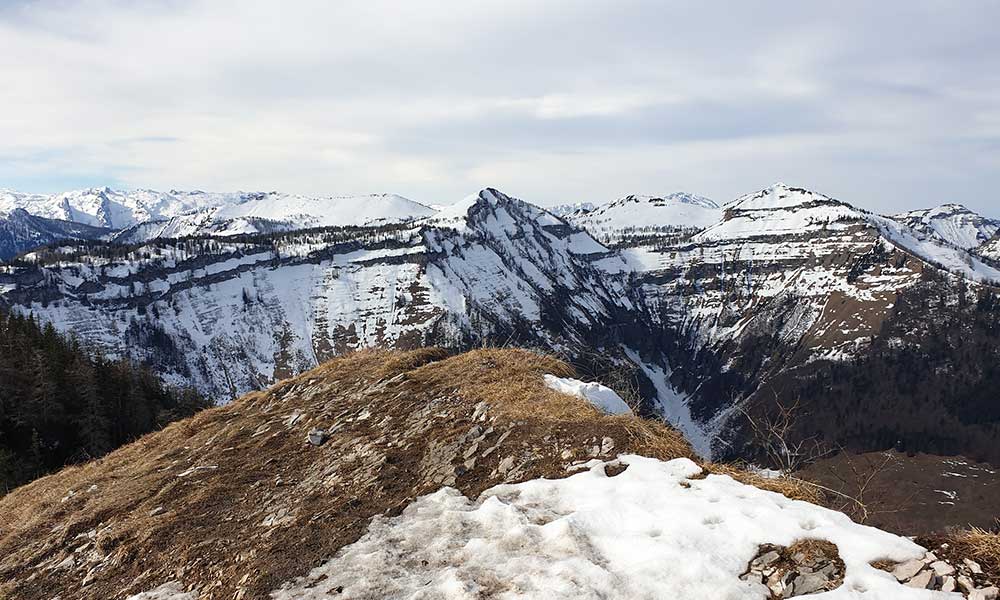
[(389, 475), (790, 294), (235, 314), (990, 250), (20, 232), (952, 223), (638, 215), (791, 286)]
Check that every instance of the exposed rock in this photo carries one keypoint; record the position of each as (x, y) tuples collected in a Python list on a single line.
[(923, 580), (989, 593), (906, 571), (949, 584), (806, 567), (973, 566), (942, 568), (316, 437)]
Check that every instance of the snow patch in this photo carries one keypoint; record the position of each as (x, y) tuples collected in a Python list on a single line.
[(640, 534), (600, 396), (167, 591)]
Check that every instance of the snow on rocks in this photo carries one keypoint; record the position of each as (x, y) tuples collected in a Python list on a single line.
[(648, 532), (604, 398)]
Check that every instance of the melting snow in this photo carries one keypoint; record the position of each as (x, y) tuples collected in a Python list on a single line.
[(641, 534), (167, 591), (600, 396)]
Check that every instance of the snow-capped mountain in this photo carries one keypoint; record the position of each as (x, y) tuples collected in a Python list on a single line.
[(235, 316), (952, 223), (785, 288), (20, 232), (567, 210), (633, 216), (141, 215), (112, 209)]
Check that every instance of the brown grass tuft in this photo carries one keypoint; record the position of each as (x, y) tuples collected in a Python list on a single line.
[(980, 545), (796, 489)]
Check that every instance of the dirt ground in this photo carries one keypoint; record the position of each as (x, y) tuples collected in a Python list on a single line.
[(914, 495)]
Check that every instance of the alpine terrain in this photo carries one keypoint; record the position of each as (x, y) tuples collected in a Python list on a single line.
[(880, 331)]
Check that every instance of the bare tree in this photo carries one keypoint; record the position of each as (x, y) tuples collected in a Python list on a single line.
[(774, 434)]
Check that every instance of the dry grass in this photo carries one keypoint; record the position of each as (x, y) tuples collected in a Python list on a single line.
[(813, 548), (793, 488), (981, 545), (511, 382)]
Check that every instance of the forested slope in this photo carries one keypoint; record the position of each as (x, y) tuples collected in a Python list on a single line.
[(59, 404)]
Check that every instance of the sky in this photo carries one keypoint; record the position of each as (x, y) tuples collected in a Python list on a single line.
[(888, 105)]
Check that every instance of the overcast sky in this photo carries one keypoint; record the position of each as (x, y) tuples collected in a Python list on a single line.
[(888, 105)]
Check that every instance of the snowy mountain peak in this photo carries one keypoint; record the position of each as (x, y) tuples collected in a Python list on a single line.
[(952, 223), (179, 213), (781, 196), (639, 214)]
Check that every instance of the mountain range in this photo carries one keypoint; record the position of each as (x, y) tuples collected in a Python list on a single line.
[(880, 330)]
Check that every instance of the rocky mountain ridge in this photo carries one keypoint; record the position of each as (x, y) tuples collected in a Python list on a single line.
[(786, 290)]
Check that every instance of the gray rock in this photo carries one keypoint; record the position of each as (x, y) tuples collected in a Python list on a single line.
[(949, 584), (922, 581), (907, 570), (973, 566), (966, 584), (807, 583), (989, 593), (159, 510), (316, 437), (942, 568), (765, 560)]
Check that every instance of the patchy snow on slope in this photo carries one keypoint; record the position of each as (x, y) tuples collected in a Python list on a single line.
[(168, 591), (673, 406), (949, 257), (604, 398), (640, 214), (648, 532), (952, 223)]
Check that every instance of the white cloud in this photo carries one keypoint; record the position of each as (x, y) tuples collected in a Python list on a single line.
[(889, 105)]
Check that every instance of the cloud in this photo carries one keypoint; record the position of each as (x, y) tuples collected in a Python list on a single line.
[(889, 105)]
